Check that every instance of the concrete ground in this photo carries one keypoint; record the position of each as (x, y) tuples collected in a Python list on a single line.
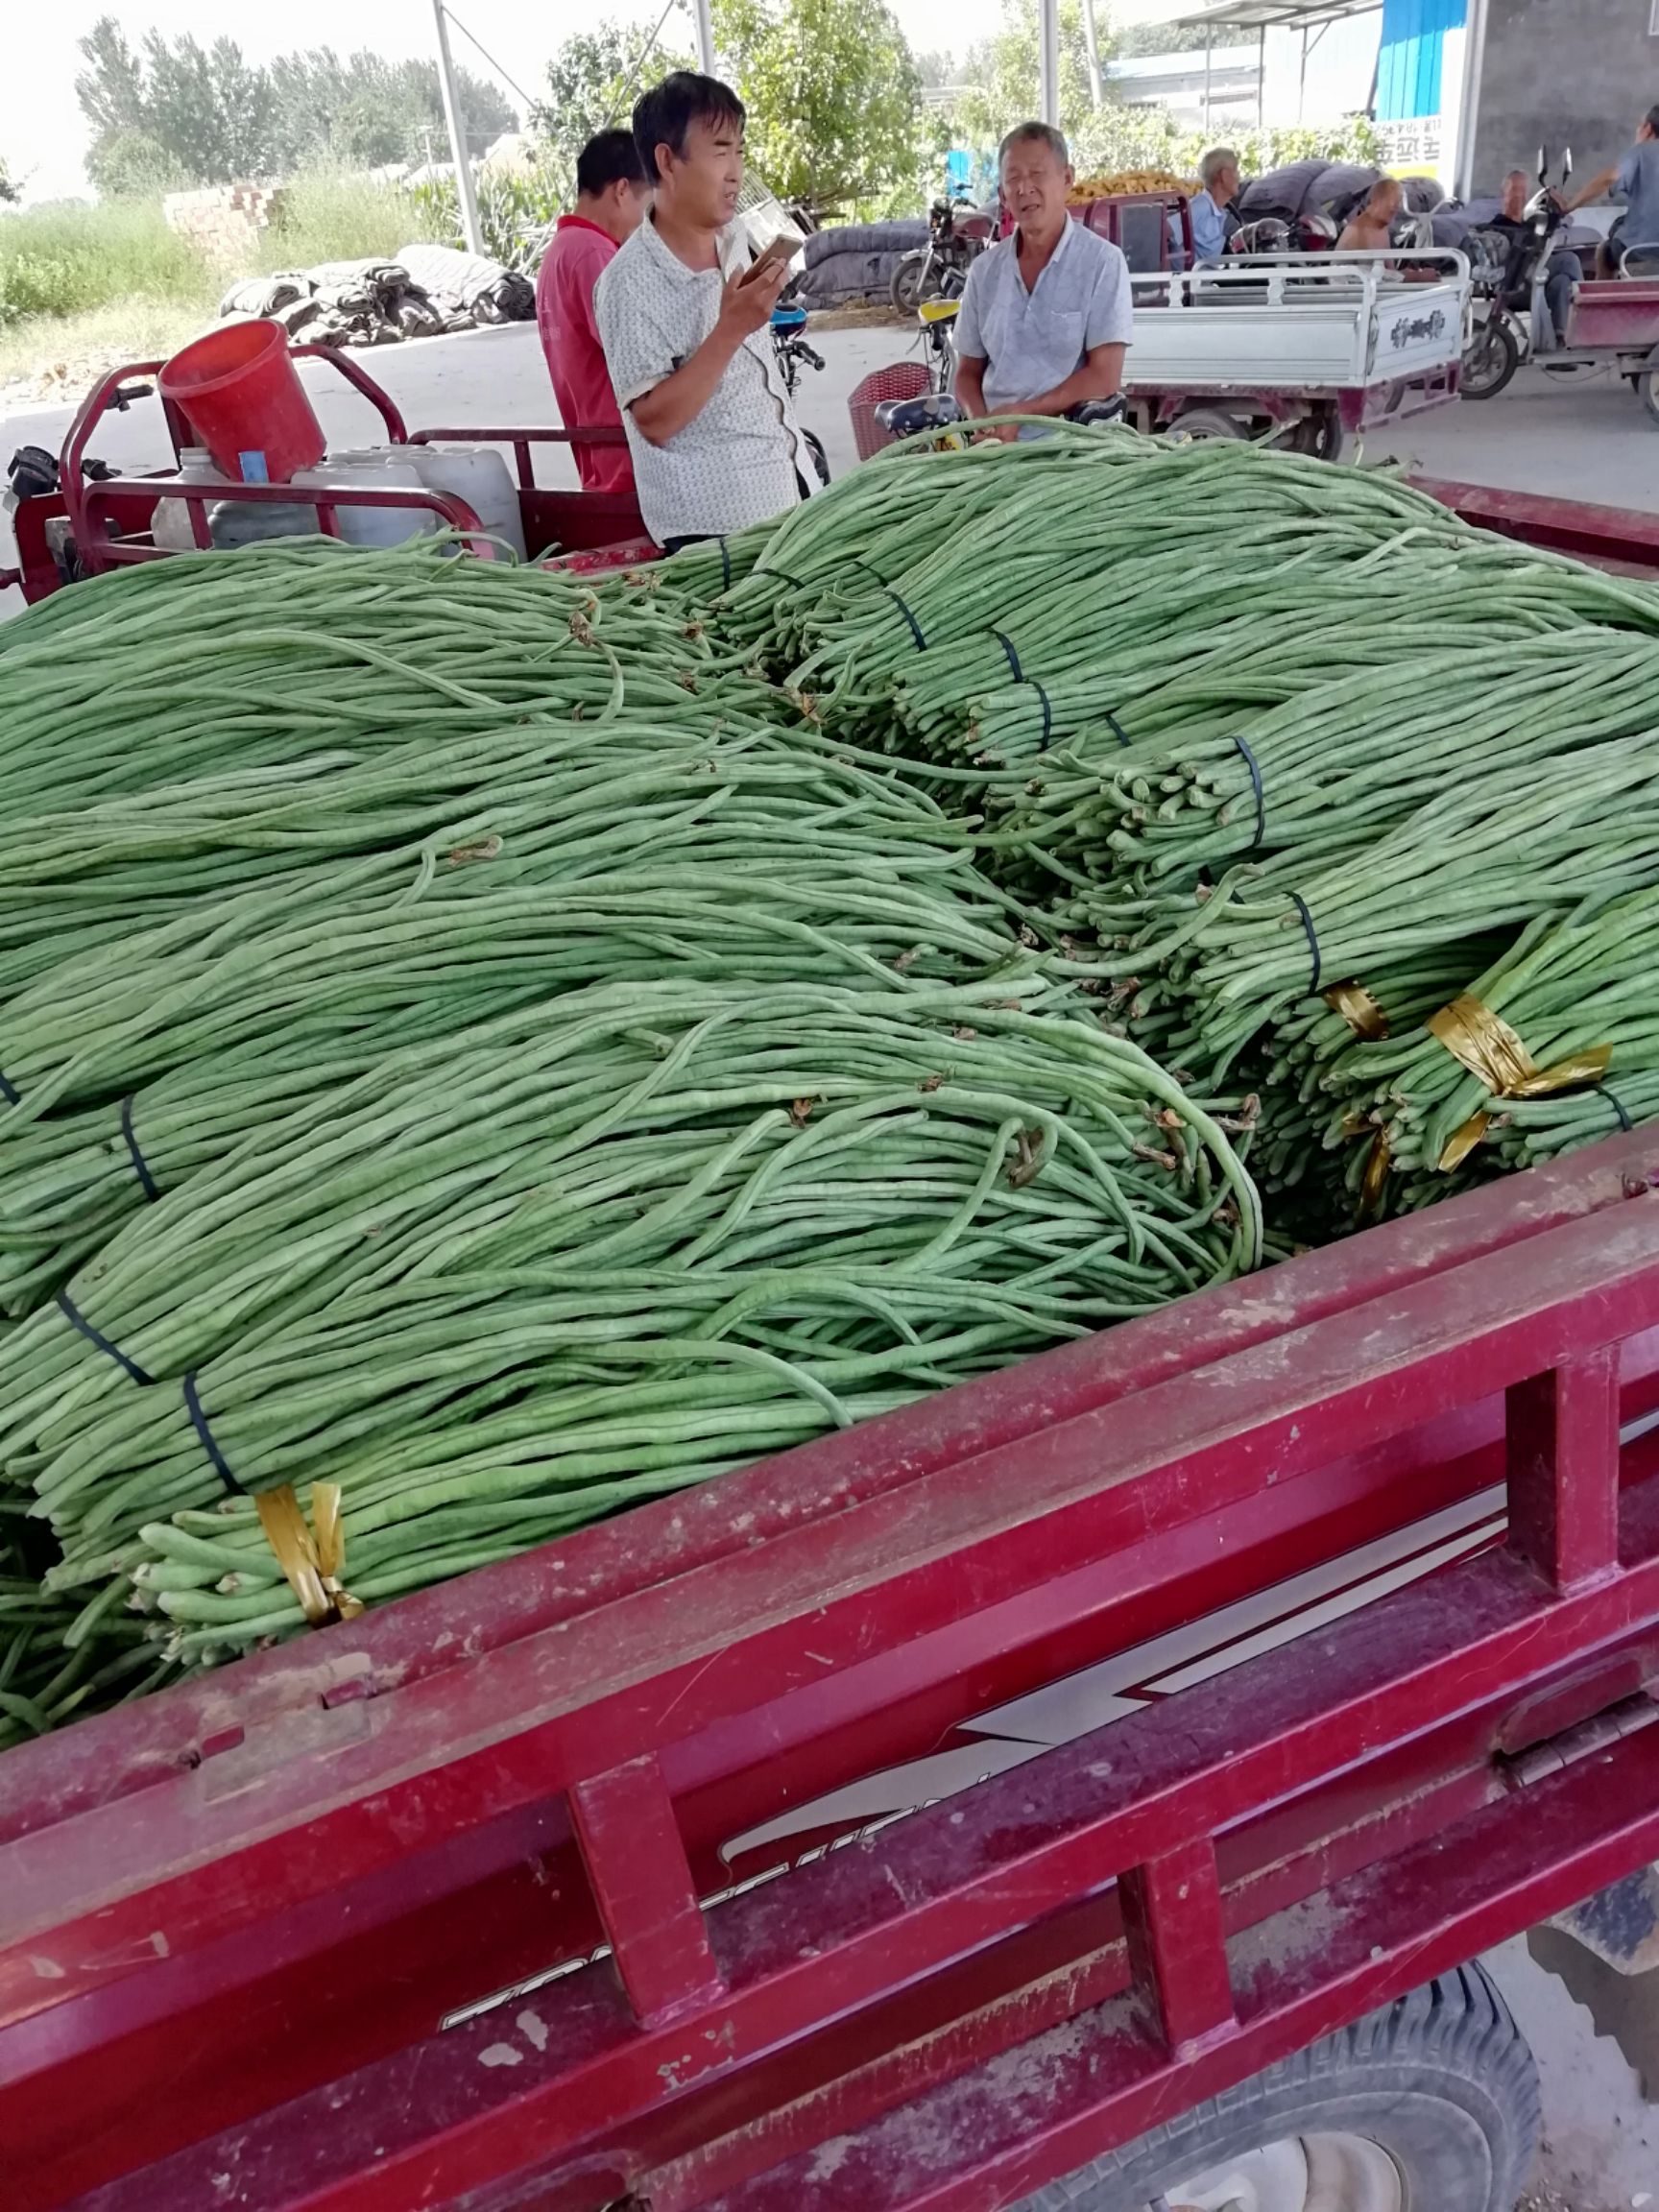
[(1591, 442)]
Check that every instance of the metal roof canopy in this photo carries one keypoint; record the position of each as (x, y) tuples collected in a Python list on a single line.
[(1274, 14)]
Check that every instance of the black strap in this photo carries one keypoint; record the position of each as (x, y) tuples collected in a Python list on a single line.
[(1115, 727), (915, 626), (783, 574), (78, 1320), (725, 566), (1253, 764), (147, 1182), (9, 1093), (1617, 1105), (1007, 644), (209, 1442), (1301, 907), (1047, 716)]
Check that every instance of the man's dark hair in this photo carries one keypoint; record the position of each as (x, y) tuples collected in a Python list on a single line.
[(664, 114), (1036, 134), (609, 157), (1651, 119)]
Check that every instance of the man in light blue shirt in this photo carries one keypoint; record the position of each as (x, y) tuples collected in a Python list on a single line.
[(1048, 314), (1635, 179), (1218, 172)]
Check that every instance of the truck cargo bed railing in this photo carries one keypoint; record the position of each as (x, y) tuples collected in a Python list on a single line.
[(239, 1912)]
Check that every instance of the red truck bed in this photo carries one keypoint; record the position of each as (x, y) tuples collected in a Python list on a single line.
[(250, 1929)]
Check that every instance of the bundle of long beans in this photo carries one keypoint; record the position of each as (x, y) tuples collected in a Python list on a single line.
[(60, 1657), (1526, 841), (1334, 767), (197, 664), (1573, 990), (757, 864), (664, 1205)]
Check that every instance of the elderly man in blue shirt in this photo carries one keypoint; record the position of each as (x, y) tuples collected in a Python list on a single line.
[(1211, 208), (1048, 314)]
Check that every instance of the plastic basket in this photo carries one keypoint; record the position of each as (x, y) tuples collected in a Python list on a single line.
[(904, 380)]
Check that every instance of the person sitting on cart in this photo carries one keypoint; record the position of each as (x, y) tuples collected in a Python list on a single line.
[(1048, 314), (1370, 229), (1213, 217), (1565, 269), (683, 315), (1634, 180), (613, 192)]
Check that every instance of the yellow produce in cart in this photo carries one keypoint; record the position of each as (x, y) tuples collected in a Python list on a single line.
[(1124, 181)]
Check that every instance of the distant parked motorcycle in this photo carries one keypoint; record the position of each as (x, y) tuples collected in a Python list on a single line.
[(957, 234)]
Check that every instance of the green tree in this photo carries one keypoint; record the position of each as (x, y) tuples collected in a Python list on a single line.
[(832, 93), (365, 112), (9, 189), (592, 83), (134, 165), (1000, 74), (174, 112)]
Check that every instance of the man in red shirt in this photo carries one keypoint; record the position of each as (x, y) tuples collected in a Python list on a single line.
[(613, 193)]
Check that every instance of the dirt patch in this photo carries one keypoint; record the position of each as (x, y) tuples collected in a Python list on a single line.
[(862, 315)]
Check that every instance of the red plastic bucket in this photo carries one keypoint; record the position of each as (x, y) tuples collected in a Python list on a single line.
[(245, 402)]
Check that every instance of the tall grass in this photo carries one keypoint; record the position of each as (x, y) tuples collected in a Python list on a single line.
[(66, 259), (333, 217)]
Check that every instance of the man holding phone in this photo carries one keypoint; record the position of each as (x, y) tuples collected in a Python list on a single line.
[(684, 317)]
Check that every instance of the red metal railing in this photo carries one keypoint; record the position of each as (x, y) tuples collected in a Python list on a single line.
[(240, 1911)]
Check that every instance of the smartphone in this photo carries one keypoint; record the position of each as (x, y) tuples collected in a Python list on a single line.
[(783, 248)]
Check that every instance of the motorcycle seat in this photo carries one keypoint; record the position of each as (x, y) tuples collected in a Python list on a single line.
[(939, 310)]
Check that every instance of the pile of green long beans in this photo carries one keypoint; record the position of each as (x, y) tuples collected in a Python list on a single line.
[(708, 1218), (467, 1036), (1249, 728)]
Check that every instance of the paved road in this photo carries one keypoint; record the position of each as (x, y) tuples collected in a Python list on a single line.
[(1593, 442)]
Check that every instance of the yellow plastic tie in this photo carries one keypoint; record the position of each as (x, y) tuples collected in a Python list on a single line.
[(313, 1558), (1359, 1010), (1485, 1044)]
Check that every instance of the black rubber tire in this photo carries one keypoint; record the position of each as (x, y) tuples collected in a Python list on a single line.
[(814, 445), (1321, 436), (1490, 361), (1442, 2081), (1200, 422), (910, 284)]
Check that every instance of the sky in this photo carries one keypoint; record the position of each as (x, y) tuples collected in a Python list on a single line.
[(44, 137)]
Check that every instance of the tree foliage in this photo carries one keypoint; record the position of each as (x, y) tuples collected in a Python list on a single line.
[(174, 112), (592, 83), (832, 93), (999, 76), (10, 190)]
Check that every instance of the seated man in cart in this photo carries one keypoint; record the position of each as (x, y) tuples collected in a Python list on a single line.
[(1565, 269), (1634, 180), (1048, 313), (1215, 218)]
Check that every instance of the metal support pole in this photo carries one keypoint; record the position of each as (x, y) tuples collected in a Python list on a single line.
[(471, 229), (1261, 78), (1049, 60), (704, 37), (1209, 50), (1301, 83), (1092, 41)]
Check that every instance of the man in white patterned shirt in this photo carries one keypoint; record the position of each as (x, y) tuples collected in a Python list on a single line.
[(684, 320)]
